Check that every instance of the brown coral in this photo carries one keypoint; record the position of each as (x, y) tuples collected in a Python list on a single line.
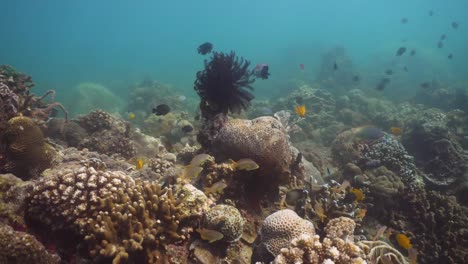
[(27, 153), (19, 247), (225, 219), (118, 217), (281, 227)]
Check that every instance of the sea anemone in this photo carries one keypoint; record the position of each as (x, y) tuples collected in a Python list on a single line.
[(223, 85)]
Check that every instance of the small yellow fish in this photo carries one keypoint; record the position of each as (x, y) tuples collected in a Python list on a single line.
[(139, 164), (245, 164), (217, 187), (192, 172), (358, 193), (397, 131), (300, 110), (131, 116), (319, 211), (342, 187), (210, 235), (361, 213), (403, 241)]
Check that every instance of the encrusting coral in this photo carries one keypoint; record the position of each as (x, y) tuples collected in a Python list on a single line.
[(20, 247), (118, 218), (26, 152)]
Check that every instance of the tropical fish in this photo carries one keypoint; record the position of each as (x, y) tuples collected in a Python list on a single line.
[(358, 193), (396, 131), (455, 25), (368, 132), (431, 13), (440, 44), (405, 69), (245, 164), (210, 235), (361, 213), (425, 85), (412, 52), (356, 78), (335, 66), (187, 128), (403, 241), (261, 71), (443, 37), (319, 211), (131, 116), (162, 109), (300, 110), (301, 66), (328, 171), (217, 187), (450, 56), (389, 72), (139, 164), (400, 51), (192, 172), (344, 185), (383, 83), (205, 48), (404, 20), (199, 159)]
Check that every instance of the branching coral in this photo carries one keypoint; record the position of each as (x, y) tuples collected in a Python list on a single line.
[(118, 218), (223, 85)]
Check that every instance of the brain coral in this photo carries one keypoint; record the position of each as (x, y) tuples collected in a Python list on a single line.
[(225, 219), (281, 227), (118, 217), (27, 153)]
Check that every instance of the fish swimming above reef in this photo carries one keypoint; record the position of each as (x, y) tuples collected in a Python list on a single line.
[(162, 109), (131, 116), (443, 37), (412, 52), (187, 128), (217, 187), (368, 132), (210, 235), (245, 164), (431, 13), (455, 25), (356, 78), (440, 44), (389, 72), (405, 69), (425, 85), (261, 71), (404, 20), (335, 66), (300, 110), (382, 84), (301, 66), (205, 48), (450, 56), (400, 51), (397, 131), (403, 241)]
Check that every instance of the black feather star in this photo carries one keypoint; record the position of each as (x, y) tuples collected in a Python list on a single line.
[(224, 85)]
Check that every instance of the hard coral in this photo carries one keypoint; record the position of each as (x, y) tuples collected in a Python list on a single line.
[(281, 227), (20, 247), (225, 219), (27, 154), (223, 85), (117, 217)]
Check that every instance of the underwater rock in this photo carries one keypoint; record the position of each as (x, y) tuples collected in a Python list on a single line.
[(26, 152), (68, 133), (13, 193), (225, 219), (20, 247), (118, 219)]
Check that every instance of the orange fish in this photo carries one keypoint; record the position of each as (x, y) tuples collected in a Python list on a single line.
[(361, 213), (358, 193), (139, 164), (403, 241), (319, 211), (300, 110), (396, 131)]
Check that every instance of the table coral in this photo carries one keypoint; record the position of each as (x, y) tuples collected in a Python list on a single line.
[(20, 247), (118, 218)]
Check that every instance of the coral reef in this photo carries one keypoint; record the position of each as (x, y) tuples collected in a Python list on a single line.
[(26, 152), (281, 227), (223, 85), (225, 219), (117, 217), (13, 193), (107, 134), (336, 247), (20, 247)]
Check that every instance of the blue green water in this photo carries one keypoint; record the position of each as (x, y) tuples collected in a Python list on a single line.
[(117, 43)]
